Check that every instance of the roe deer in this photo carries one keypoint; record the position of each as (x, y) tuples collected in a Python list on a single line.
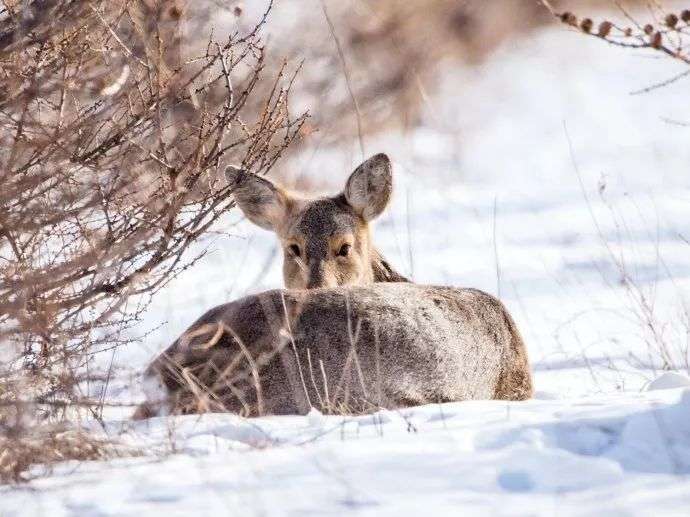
[(342, 350), (326, 241), (364, 338)]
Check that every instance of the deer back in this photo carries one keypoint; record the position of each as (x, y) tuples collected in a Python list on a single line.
[(343, 350)]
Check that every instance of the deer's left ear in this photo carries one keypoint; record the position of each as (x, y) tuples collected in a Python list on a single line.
[(368, 189)]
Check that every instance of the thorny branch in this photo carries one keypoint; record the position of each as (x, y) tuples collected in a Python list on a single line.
[(110, 144)]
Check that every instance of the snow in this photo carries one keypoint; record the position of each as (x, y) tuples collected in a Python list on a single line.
[(669, 380), (588, 249), (618, 454)]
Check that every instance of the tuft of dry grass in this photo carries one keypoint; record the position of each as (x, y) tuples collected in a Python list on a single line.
[(29, 454), (650, 27)]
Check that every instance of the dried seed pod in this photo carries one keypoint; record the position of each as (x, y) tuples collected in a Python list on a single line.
[(627, 32), (685, 15), (586, 25), (237, 10), (604, 29), (175, 12), (569, 18), (656, 40), (648, 29), (671, 20)]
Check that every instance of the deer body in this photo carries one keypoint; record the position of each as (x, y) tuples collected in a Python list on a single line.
[(343, 350), (350, 334)]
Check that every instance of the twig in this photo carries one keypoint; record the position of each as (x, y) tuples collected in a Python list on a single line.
[(495, 242), (661, 84), (346, 73)]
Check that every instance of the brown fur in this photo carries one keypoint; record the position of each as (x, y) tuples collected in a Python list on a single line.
[(349, 350)]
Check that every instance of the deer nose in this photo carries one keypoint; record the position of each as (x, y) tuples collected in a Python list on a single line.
[(317, 275)]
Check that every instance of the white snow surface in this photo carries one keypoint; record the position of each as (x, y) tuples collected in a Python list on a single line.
[(589, 251), (616, 454)]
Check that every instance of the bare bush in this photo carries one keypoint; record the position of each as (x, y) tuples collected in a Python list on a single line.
[(110, 141), (668, 33), (376, 63), (663, 31), (370, 65)]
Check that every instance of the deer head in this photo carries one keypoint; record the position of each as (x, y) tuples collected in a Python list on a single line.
[(326, 241)]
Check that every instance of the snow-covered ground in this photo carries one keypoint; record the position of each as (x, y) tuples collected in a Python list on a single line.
[(610, 454), (537, 177)]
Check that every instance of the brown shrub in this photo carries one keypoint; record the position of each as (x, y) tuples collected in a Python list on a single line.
[(110, 143)]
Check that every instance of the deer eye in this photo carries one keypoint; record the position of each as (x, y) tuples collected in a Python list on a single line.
[(294, 250), (344, 250)]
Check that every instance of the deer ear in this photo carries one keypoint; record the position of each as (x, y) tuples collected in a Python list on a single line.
[(261, 201), (369, 187)]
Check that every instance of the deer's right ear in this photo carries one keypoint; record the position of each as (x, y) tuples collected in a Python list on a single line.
[(369, 187), (262, 202)]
